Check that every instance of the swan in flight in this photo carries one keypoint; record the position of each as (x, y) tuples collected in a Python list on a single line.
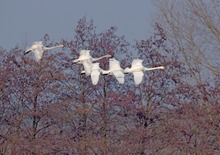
[(137, 69), (86, 60), (95, 72), (38, 49), (116, 70)]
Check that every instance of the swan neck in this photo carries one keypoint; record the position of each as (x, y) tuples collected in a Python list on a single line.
[(154, 68), (99, 58), (50, 48)]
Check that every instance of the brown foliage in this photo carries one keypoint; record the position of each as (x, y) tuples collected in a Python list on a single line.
[(50, 108)]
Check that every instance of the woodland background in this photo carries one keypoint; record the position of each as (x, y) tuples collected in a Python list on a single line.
[(50, 108)]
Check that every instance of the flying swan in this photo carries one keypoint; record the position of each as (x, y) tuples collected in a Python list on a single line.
[(137, 69), (116, 70), (38, 49)]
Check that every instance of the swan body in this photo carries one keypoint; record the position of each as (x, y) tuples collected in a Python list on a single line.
[(116, 70), (138, 69), (38, 49), (86, 60)]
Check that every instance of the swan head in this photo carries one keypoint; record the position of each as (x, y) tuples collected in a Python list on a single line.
[(108, 56), (161, 67), (126, 70), (61, 45)]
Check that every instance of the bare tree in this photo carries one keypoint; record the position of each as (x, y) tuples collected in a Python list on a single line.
[(193, 28)]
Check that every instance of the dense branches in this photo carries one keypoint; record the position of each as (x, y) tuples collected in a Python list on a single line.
[(50, 108)]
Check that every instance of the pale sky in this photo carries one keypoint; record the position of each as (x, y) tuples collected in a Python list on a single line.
[(25, 21)]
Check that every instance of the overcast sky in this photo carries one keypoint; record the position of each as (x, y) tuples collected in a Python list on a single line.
[(25, 21)]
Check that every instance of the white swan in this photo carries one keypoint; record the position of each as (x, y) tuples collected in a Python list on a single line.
[(38, 49), (137, 69), (86, 60), (116, 70)]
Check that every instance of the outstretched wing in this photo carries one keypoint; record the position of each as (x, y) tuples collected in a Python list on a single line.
[(138, 76), (37, 43), (95, 76), (119, 75), (28, 50), (113, 63), (137, 63), (84, 53)]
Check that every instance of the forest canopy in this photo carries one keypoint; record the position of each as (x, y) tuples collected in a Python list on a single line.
[(51, 108)]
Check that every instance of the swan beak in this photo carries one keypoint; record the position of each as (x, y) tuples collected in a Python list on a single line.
[(75, 60)]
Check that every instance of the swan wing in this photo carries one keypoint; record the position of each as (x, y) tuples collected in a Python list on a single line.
[(28, 50), (137, 63), (113, 62), (95, 76), (38, 43), (138, 76), (119, 75), (87, 53), (87, 65), (84, 52), (115, 67)]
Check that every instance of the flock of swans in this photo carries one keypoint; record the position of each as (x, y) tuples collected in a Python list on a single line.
[(91, 67)]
